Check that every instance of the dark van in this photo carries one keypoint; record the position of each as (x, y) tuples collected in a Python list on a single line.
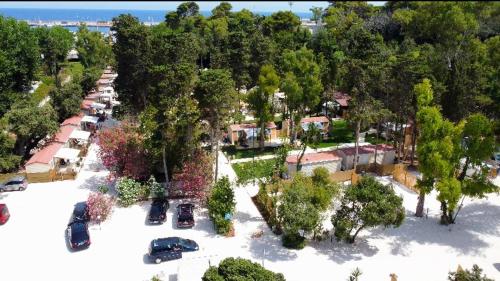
[(164, 250)]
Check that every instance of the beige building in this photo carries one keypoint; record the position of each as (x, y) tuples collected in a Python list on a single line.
[(251, 131), (328, 159)]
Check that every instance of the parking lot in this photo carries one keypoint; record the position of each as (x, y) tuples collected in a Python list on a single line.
[(33, 244)]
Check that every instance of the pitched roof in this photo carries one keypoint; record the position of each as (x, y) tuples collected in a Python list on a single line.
[(322, 119), (366, 149), (86, 104), (310, 158), (63, 135), (45, 155), (92, 96), (74, 120), (341, 98), (239, 127)]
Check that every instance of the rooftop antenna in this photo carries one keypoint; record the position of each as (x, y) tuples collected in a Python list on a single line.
[(290, 3)]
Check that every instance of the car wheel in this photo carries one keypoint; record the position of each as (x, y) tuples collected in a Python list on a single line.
[(157, 260)]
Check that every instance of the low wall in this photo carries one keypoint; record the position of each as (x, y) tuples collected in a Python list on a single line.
[(404, 177), (381, 170), (49, 176), (342, 176)]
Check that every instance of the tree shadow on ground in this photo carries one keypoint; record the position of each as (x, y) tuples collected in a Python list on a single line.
[(274, 250), (341, 252), (475, 220), (246, 217), (92, 183)]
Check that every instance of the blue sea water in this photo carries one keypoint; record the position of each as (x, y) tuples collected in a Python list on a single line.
[(97, 15)]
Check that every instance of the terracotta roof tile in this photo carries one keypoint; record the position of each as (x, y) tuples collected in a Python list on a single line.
[(63, 135), (75, 120), (309, 158), (45, 155)]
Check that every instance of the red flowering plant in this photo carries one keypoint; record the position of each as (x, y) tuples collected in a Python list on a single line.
[(122, 152), (196, 176)]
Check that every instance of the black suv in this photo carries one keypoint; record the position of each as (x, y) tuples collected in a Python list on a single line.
[(185, 216), (78, 232), (171, 248), (78, 235), (80, 212), (158, 211)]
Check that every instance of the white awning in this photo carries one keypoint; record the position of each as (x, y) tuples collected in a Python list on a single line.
[(106, 95), (90, 119), (70, 154), (97, 105), (79, 135)]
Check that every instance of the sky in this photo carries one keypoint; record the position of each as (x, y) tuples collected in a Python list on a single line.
[(261, 6)]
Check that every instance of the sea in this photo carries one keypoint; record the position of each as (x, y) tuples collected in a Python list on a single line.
[(98, 15)]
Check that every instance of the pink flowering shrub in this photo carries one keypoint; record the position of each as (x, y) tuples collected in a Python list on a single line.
[(99, 206), (122, 152)]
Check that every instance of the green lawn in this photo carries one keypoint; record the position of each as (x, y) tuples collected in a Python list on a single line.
[(43, 89), (248, 171), (341, 133), (72, 69), (373, 139), (247, 153)]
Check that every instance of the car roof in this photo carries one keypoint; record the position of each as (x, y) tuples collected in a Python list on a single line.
[(80, 207), (167, 240)]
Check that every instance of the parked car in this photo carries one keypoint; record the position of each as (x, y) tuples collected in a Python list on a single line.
[(158, 211), (185, 216), (78, 235), (16, 183), (170, 248), (80, 212), (4, 214)]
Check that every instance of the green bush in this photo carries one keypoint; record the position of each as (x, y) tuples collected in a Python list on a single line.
[(128, 190), (220, 203), (103, 188), (240, 269), (156, 190), (293, 241)]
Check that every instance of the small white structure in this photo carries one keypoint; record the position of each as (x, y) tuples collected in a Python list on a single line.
[(366, 155), (65, 159), (88, 122), (78, 138), (328, 159)]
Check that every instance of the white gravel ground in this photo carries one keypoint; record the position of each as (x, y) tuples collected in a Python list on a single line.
[(32, 243)]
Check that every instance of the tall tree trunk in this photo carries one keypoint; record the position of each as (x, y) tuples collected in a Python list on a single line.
[(413, 141), (292, 129), (444, 213), (216, 149), (356, 144), (420, 204), (262, 135), (165, 170), (299, 160)]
